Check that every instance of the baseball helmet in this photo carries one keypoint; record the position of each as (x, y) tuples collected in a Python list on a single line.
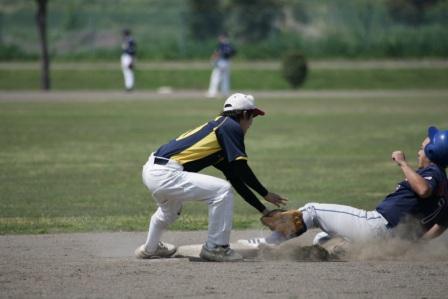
[(437, 148)]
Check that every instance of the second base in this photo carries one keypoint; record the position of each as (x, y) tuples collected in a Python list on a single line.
[(192, 251)]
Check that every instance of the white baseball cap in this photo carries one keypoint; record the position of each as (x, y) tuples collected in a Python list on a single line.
[(240, 101)]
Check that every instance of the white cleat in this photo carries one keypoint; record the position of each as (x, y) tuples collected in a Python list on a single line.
[(274, 239), (164, 250), (321, 238), (254, 242)]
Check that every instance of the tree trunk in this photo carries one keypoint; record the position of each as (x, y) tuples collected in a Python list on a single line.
[(41, 21)]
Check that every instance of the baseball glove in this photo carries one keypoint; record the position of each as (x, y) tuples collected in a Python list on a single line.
[(288, 222)]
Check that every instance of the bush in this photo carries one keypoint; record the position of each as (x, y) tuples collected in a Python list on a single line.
[(13, 52), (294, 69)]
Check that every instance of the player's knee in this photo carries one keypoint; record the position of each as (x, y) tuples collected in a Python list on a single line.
[(309, 214), (224, 194), (225, 189)]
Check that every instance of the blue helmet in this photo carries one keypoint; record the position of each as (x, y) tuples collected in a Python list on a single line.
[(437, 148)]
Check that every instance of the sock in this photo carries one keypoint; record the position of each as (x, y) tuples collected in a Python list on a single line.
[(154, 234)]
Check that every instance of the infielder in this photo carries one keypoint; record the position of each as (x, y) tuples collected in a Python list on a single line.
[(422, 195), (171, 176), (129, 48), (220, 78)]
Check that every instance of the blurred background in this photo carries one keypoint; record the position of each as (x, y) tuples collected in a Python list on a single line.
[(261, 29)]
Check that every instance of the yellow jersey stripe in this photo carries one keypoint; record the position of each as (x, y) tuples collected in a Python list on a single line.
[(189, 133), (201, 149)]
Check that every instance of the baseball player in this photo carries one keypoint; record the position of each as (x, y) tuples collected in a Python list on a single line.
[(220, 78), (422, 195), (129, 48), (171, 176)]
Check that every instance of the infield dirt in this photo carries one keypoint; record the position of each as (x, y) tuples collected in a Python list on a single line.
[(102, 265)]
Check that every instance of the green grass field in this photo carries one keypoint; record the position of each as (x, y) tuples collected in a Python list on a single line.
[(242, 79), (77, 166)]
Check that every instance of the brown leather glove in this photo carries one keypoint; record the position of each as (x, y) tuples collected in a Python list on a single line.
[(287, 222)]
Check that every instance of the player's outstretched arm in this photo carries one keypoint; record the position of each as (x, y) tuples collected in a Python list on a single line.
[(246, 174), (241, 187), (275, 199)]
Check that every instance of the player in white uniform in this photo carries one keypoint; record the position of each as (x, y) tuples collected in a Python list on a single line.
[(423, 195), (129, 48), (171, 176), (220, 78)]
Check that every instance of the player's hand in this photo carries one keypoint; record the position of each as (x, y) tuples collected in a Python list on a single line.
[(399, 157), (275, 199)]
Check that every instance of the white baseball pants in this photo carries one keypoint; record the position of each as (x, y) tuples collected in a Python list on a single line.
[(128, 73), (355, 225), (171, 187), (220, 78)]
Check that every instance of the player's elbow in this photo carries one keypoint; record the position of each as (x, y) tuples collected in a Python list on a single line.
[(424, 191)]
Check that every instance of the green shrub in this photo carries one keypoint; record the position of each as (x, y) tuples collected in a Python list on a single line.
[(14, 52), (294, 69)]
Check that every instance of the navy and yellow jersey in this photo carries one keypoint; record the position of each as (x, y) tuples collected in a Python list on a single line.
[(217, 140)]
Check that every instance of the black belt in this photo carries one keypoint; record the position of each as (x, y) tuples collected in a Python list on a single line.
[(161, 161)]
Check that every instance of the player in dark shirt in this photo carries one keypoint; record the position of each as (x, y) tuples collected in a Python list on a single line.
[(171, 176), (220, 77), (423, 195), (129, 50)]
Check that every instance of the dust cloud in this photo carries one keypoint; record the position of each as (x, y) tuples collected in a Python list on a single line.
[(403, 244)]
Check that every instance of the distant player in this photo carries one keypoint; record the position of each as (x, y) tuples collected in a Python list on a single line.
[(220, 78), (423, 195), (171, 176), (129, 48)]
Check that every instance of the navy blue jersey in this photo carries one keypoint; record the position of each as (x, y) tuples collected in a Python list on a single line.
[(404, 201), (226, 50), (218, 140), (129, 46)]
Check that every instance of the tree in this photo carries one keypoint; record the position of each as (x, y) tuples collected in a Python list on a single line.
[(205, 19), (253, 20), (411, 12), (41, 22)]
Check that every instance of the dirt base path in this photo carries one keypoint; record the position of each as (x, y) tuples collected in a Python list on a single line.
[(102, 265)]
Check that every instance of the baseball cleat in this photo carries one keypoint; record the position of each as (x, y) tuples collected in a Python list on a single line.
[(321, 238), (163, 250), (254, 243), (220, 254), (274, 239)]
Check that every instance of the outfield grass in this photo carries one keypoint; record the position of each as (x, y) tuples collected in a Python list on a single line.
[(242, 79), (77, 166)]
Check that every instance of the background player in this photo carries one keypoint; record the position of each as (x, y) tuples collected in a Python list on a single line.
[(129, 48), (171, 176), (422, 195), (220, 78)]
